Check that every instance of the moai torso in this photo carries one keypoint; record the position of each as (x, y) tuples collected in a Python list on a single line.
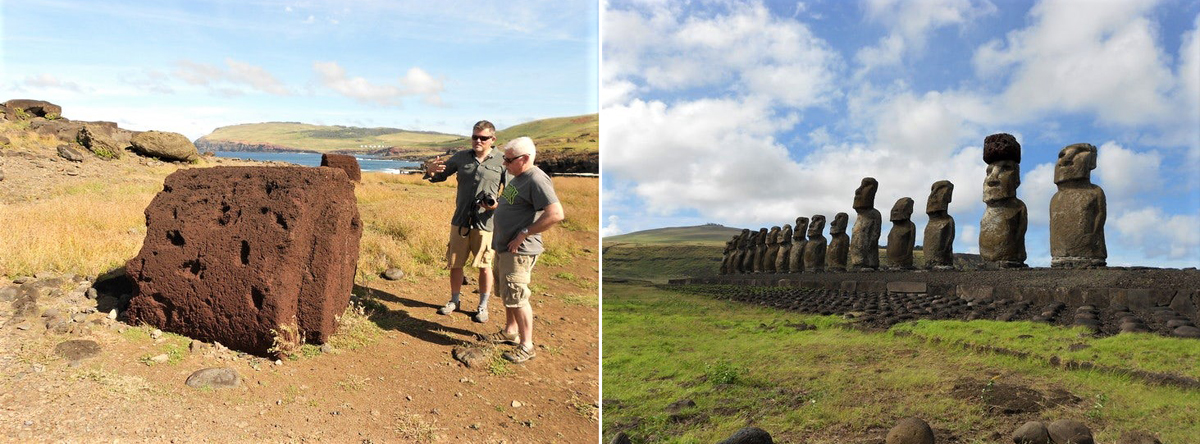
[(772, 250), (864, 241), (739, 257), (814, 249), (939, 232), (748, 255), (1077, 211), (903, 235), (796, 256), (785, 248), (760, 251), (839, 243), (1002, 228)]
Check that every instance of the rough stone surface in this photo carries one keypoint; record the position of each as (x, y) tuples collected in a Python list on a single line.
[(71, 154), (99, 142), (1069, 431), (864, 240), (393, 274), (1002, 228), (782, 262), (621, 438), (165, 145), (472, 356), (232, 253), (345, 162), (32, 108), (216, 378), (77, 349), (814, 249), (903, 236), (749, 435), (910, 431), (1077, 211), (1186, 331), (839, 243), (1033, 432), (938, 244), (760, 251), (799, 242)]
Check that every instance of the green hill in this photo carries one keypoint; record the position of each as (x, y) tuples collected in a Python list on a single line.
[(706, 235), (576, 136)]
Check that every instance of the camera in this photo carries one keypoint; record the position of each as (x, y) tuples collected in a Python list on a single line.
[(485, 198)]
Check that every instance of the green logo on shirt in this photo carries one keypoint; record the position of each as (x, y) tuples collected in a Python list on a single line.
[(509, 194)]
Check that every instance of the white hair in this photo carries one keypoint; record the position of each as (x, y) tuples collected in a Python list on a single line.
[(521, 146)]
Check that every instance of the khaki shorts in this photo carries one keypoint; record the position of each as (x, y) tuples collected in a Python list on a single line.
[(477, 242), (513, 272)]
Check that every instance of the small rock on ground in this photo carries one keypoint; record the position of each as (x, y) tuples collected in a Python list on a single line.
[(472, 356), (214, 377), (910, 431), (393, 274), (1066, 430), (749, 435), (1033, 432)]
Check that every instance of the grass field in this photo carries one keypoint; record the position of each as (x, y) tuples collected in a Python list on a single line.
[(809, 379)]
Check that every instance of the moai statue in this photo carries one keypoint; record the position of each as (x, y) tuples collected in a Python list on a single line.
[(748, 256), (903, 235), (1077, 211), (760, 251), (785, 248), (939, 232), (739, 257), (864, 241), (814, 249), (772, 250), (839, 243), (727, 258), (796, 256), (1002, 229)]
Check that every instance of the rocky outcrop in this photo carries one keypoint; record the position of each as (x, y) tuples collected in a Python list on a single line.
[(248, 255), (560, 163), (27, 108), (165, 145), (349, 164)]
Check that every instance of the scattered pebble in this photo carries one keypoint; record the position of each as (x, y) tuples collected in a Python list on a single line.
[(161, 358), (517, 404)]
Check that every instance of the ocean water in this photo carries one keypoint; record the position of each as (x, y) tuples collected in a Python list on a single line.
[(365, 163)]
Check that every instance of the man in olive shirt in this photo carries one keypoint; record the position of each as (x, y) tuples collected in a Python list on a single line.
[(528, 206), (478, 171)]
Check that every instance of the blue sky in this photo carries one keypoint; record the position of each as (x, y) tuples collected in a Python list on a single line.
[(192, 66), (750, 114)]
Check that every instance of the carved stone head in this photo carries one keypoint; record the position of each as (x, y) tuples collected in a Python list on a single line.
[(801, 228), (773, 237), (1075, 162), (1003, 178), (940, 195), (902, 210), (864, 196), (817, 226), (762, 236), (838, 226)]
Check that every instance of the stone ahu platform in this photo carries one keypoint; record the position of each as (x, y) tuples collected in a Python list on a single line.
[(1111, 289)]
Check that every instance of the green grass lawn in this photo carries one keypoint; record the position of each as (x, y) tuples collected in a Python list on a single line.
[(811, 379)]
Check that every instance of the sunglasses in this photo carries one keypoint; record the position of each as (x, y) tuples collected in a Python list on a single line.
[(481, 138), (513, 159)]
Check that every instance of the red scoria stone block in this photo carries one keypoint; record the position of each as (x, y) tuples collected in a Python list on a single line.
[(347, 163), (232, 253)]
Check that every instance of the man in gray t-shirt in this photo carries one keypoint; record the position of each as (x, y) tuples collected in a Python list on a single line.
[(528, 206)]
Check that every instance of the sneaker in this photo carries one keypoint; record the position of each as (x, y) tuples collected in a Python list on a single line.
[(481, 316), (448, 308), (520, 354), (501, 337)]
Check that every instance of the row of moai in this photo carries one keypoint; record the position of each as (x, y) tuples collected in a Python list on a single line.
[(1077, 214)]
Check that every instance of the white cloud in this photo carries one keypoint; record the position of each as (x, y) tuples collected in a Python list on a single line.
[(1158, 235), (909, 24), (232, 80), (49, 81), (1098, 58), (1037, 187), (744, 49), (418, 82), (612, 228), (1126, 174)]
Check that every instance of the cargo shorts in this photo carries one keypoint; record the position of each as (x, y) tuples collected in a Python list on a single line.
[(477, 242), (513, 272)]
